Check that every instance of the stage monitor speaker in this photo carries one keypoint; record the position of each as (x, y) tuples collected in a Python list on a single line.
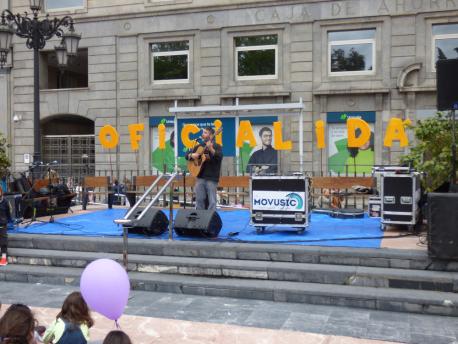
[(442, 225), (200, 223), (447, 84), (155, 222)]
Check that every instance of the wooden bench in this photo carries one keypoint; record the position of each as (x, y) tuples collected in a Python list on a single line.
[(340, 188), (234, 188), (139, 185), (142, 183), (229, 188), (100, 186)]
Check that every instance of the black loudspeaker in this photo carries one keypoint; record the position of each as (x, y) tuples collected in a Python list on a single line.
[(155, 222), (447, 84), (200, 223), (442, 225)]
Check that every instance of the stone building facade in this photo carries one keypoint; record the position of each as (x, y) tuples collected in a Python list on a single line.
[(396, 39)]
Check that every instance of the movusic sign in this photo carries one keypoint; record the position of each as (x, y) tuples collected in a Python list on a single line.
[(278, 200)]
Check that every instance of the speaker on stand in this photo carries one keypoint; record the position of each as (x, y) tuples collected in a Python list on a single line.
[(154, 222), (198, 223), (447, 98)]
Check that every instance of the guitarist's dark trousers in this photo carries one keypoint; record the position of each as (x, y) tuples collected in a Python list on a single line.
[(205, 188)]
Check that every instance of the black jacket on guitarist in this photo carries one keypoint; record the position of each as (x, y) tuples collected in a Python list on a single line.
[(211, 167)]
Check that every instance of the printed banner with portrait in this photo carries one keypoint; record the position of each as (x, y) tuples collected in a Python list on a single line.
[(341, 158), (164, 159), (262, 159), (228, 133)]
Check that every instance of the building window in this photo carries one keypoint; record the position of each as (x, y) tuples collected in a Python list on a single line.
[(445, 42), (351, 52), (256, 57), (170, 62), (55, 5), (74, 75)]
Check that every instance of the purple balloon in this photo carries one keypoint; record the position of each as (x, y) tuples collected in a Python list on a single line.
[(105, 287)]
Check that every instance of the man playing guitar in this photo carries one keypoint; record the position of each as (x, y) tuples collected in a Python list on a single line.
[(208, 177)]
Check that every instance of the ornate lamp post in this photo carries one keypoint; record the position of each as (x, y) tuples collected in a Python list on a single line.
[(37, 32)]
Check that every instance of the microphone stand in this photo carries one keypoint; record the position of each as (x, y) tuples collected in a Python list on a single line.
[(51, 205), (33, 170), (53, 199)]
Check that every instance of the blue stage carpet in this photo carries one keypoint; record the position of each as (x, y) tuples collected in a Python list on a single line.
[(323, 230)]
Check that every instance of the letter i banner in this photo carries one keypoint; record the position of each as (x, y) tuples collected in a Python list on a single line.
[(319, 132)]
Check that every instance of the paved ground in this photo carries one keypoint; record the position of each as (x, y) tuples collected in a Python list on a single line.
[(171, 318)]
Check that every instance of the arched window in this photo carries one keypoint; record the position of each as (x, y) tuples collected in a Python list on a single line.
[(70, 141)]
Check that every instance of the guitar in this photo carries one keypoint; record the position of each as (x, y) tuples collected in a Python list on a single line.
[(195, 165)]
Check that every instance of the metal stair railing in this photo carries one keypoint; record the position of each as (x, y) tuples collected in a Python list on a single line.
[(126, 220)]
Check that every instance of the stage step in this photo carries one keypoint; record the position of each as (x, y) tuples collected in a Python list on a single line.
[(397, 280), (399, 300), (250, 269), (384, 258)]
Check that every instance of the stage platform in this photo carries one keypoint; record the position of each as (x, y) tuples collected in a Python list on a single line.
[(324, 230)]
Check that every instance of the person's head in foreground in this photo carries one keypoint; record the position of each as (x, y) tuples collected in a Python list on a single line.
[(17, 325), (117, 337), (75, 310)]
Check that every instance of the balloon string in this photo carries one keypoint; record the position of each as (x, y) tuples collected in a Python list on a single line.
[(117, 325)]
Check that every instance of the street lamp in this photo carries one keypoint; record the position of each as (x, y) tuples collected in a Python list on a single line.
[(37, 32), (62, 60), (6, 38)]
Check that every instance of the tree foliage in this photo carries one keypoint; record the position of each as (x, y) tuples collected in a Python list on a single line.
[(256, 62), (433, 151), (4, 160), (440, 54), (342, 63)]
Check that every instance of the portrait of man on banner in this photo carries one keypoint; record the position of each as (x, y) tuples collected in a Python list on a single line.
[(262, 159), (265, 159)]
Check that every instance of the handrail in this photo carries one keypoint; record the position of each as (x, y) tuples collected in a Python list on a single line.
[(127, 220), (159, 194)]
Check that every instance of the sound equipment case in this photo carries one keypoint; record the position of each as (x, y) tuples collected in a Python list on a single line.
[(400, 195), (287, 186)]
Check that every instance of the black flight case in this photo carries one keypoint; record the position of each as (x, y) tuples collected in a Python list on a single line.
[(400, 196)]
